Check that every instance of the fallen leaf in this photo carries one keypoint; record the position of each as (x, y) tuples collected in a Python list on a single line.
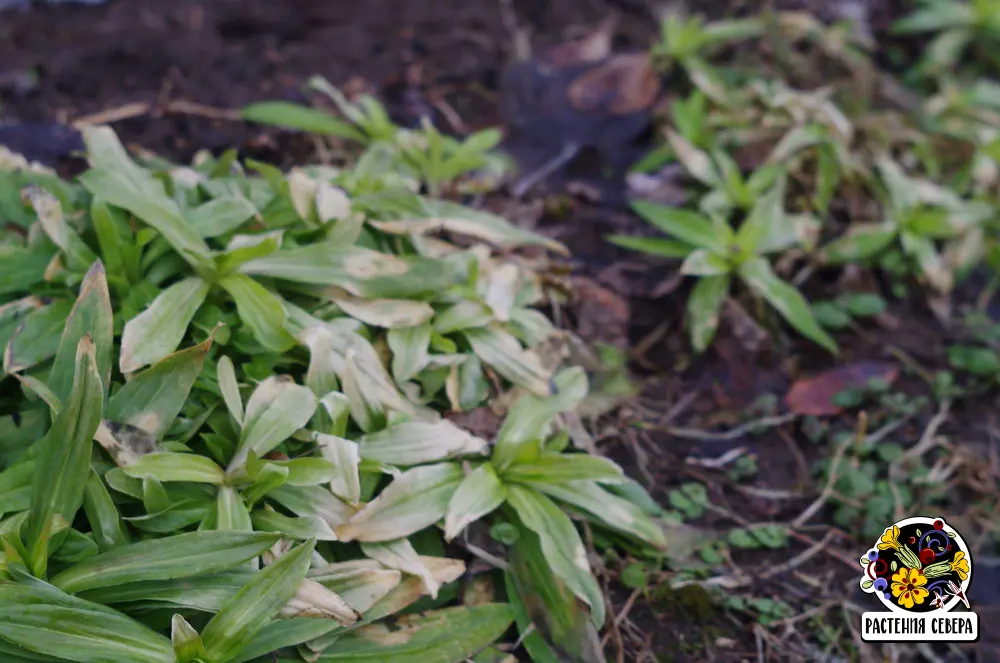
[(602, 315), (592, 47), (814, 396), (623, 85)]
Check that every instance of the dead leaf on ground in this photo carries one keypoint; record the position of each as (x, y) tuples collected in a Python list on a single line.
[(481, 422), (623, 85), (815, 396), (602, 315)]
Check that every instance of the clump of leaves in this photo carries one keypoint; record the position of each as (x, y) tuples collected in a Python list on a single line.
[(959, 26), (263, 362), (416, 157), (716, 255)]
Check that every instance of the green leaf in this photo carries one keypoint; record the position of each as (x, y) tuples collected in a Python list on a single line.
[(414, 500), (704, 309), (689, 227), (703, 262), (531, 416), (50, 623), (50, 215), (666, 248), (615, 512), (116, 179), (451, 635), (283, 633), (239, 621), (316, 501), (417, 442), (64, 456), (862, 241), (231, 514), (697, 163), (345, 456), (935, 16), (479, 494), (166, 466), (562, 467), (207, 593), (561, 544), (22, 269), (260, 310), (358, 270), (37, 337), (409, 347), (303, 118), (302, 528), (276, 409), (157, 331), (105, 521), (788, 301), (152, 400), (545, 609), (230, 388), (186, 642), (221, 215), (501, 351), (91, 316), (179, 556), (764, 227)]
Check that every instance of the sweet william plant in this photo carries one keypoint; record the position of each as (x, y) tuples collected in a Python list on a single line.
[(229, 442), (717, 255)]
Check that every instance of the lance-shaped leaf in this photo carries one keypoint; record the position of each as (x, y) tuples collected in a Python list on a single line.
[(117, 180), (414, 500), (861, 241), (186, 642), (260, 310), (91, 316), (505, 355), (321, 375), (363, 397), (704, 309), (463, 220), (50, 623), (207, 593), (399, 554), (63, 463), (316, 501), (179, 556), (283, 633), (221, 215), (479, 494), (312, 599), (416, 442), (170, 466), (615, 512), (37, 337), (362, 272), (553, 623), (410, 350), (276, 409), (466, 314), (531, 416), (303, 118), (239, 621), (50, 215), (152, 400), (15, 487), (387, 313), (450, 635), (345, 456), (561, 544), (302, 527), (563, 467), (231, 514), (788, 301), (105, 521), (230, 388), (157, 331)]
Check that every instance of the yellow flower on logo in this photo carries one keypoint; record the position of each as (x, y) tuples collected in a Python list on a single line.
[(908, 587), (890, 539), (960, 565)]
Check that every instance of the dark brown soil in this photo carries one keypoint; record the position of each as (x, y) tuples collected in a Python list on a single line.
[(61, 63)]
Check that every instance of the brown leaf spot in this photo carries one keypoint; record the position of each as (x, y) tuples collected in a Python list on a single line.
[(814, 396)]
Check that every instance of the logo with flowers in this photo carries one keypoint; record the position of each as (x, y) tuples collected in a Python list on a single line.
[(918, 565)]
